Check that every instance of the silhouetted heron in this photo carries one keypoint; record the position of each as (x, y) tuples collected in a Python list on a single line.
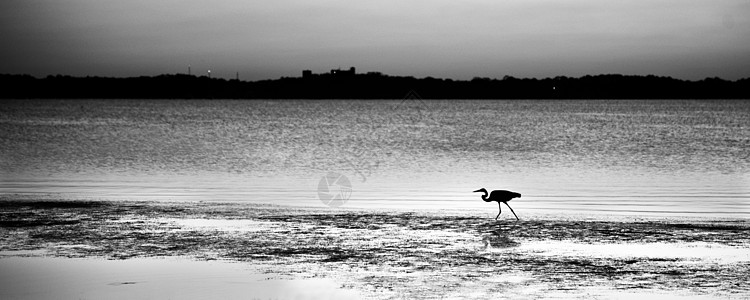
[(500, 196)]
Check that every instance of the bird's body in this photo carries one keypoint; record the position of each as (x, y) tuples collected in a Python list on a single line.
[(500, 196)]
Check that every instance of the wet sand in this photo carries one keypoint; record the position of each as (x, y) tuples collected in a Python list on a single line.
[(372, 254)]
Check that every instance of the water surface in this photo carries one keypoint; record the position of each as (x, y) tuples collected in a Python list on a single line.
[(632, 158)]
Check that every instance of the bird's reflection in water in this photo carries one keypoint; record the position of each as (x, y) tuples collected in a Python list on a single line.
[(497, 240)]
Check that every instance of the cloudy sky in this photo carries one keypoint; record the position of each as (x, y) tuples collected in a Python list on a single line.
[(686, 39)]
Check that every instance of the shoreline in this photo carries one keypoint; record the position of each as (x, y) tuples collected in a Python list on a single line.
[(392, 254)]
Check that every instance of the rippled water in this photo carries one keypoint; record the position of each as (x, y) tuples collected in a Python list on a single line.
[(631, 158)]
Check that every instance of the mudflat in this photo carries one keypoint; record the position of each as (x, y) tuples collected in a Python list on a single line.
[(386, 254)]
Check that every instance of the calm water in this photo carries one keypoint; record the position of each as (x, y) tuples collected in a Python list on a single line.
[(664, 158)]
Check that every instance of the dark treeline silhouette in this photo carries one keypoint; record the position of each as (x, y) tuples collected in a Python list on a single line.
[(372, 86)]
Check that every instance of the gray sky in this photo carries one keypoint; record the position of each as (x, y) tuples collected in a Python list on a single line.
[(686, 39)]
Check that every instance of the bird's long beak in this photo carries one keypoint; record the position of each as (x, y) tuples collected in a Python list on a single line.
[(476, 191)]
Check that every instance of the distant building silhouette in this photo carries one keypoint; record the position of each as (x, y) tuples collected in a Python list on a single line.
[(335, 73), (340, 72)]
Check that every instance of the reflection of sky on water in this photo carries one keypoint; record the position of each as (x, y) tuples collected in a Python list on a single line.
[(712, 195), (697, 252), (153, 278)]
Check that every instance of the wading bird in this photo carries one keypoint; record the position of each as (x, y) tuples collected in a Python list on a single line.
[(500, 196)]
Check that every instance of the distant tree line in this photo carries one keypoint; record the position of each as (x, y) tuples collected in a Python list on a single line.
[(372, 86)]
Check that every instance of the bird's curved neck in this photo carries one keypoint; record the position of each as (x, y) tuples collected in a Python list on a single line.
[(484, 197)]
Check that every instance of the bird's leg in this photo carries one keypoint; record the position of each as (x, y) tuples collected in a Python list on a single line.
[(511, 209), (501, 210)]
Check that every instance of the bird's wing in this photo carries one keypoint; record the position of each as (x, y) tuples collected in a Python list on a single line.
[(499, 193), (502, 194)]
